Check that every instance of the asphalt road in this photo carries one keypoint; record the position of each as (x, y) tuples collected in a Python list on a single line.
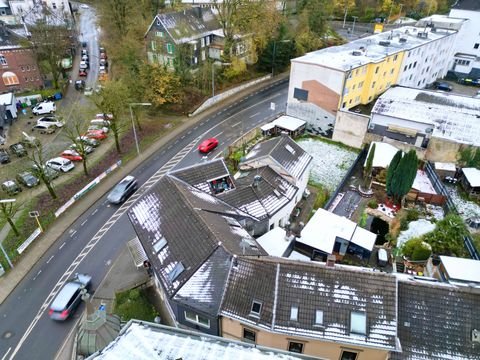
[(97, 237)]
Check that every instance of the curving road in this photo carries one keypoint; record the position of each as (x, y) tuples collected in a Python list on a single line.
[(96, 238)]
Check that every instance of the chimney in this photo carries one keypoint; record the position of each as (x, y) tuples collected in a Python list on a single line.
[(331, 260)]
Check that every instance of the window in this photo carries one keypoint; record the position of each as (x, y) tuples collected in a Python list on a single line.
[(9, 78), (395, 58), (153, 45), (344, 104), (410, 66), (300, 94), (476, 46), (349, 101), (249, 335), (159, 33), (376, 70), (353, 87), (349, 75), (197, 319), (364, 70), (54, 6), (347, 90), (415, 64), (28, 67), (22, 68), (360, 84), (3, 61), (373, 84), (356, 72), (207, 40), (318, 317), (256, 308), (202, 42), (295, 347), (169, 48), (203, 55), (392, 71), (294, 311), (175, 271), (358, 322), (405, 68), (357, 99), (348, 355)]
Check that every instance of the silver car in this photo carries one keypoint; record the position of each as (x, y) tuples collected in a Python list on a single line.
[(123, 190), (69, 297)]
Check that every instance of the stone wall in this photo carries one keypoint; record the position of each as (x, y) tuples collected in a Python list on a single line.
[(350, 128), (442, 150)]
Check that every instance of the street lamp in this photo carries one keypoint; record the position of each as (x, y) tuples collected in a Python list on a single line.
[(2, 204), (353, 26), (274, 51), (133, 123)]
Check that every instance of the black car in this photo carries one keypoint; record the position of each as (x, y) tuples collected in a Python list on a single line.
[(442, 86), (27, 179), (4, 157), (123, 190), (18, 149), (79, 85)]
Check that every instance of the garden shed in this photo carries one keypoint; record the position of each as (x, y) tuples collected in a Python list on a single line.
[(471, 181)]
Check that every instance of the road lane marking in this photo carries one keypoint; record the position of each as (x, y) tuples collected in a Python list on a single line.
[(220, 133), (50, 259), (61, 246), (73, 233), (94, 212), (83, 223), (6, 354), (257, 113), (238, 123)]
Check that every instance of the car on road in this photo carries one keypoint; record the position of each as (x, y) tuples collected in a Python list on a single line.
[(208, 145), (46, 107), (60, 164), (96, 134), (84, 6), (69, 297), (79, 84), (89, 141), (442, 86), (4, 157), (27, 179), (71, 155), (88, 91), (82, 72), (44, 128), (123, 190), (10, 187), (50, 120), (86, 148), (18, 149)]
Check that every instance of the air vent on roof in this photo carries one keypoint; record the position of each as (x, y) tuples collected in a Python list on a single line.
[(402, 40), (476, 335), (384, 43), (356, 53), (290, 149), (422, 35), (434, 30), (277, 194)]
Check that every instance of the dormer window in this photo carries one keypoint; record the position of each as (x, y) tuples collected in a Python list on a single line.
[(294, 313), (318, 318), (256, 308), (358, 322)]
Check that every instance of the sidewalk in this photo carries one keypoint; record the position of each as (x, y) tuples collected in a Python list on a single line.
[(9, 281)]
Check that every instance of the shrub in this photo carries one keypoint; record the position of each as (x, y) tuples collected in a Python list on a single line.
[(416, 249), (133, 304), (412, 215), (372, 204)]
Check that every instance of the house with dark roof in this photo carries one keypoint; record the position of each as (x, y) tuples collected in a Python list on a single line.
[(195, 31), (191, 238), (332, 312), (437, 321)]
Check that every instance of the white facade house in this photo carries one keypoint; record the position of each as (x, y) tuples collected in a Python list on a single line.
[(29, 10), (9, 101), (467, 47)]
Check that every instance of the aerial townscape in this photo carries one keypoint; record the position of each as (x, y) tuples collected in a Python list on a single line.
[(240, 179)]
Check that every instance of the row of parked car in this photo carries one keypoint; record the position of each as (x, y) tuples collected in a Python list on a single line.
[(64, 163)]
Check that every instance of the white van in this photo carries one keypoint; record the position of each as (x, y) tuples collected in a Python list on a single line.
[(382, 257), (47, 107)]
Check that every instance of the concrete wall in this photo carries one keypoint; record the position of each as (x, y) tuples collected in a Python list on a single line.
[(386, 120), (350, 128), (421, 153), (232, 329), (442, 150)]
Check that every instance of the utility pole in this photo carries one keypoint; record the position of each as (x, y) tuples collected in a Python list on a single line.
[(345, 16), (353, 26)]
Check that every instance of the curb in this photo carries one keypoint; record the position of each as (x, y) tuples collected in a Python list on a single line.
[(10, 280)]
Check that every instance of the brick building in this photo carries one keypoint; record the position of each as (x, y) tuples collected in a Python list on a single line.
[(18, 64)]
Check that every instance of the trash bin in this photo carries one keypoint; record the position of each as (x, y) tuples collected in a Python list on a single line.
[(33, 102), (57, 96)]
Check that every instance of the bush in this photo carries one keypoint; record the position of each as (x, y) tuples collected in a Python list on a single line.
[(133, 304), (412, 215), (372, 204), (416, 249)]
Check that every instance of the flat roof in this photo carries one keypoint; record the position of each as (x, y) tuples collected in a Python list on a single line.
[(275, 242), (342, 58), (451, 116), (364, 238), (467, 270), (422, 183), (445, 166), (384, 153), (472, 175), (286, 122)]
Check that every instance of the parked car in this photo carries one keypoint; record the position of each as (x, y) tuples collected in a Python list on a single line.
[(123, 190), (27, 179), (79, 85), (208, 145), (46, 107), (89, 141), (83, 65), (85, 58), (103, 62), (10, 187), (84, 44), (50, 120), (84, 52), (82, 72), (71, 155), (69, 297), (104, 116), (100, 122), (99, 128), (442, 86), (103, 56), (44, 128), (18, 149), (96, 134), (86, 148), (88, 91), (60, 164), (50, 174), (4, 157)]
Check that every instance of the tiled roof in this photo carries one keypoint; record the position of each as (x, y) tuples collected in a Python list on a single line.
[(182, 227), (336, 292), (436, 321), (283, 151), (198, 175), (189, 24), (260, 193)]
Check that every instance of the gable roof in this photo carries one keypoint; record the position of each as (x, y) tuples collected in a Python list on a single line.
[(436, 321), (280, 284), (182, 226), (189, 24), (283, 151), (260, 193)]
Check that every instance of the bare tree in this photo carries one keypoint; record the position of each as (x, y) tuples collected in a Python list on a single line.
[(40, 170), (73, 132), (8, 211)]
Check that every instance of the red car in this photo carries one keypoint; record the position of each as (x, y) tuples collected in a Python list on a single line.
[(208, 145), (96, 134), (71, 155), (82, 72)]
